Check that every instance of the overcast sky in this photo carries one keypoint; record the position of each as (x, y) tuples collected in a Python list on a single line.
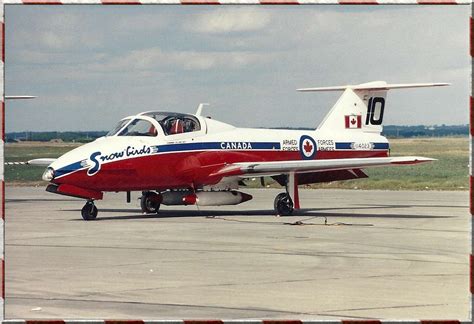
[(92, 65)]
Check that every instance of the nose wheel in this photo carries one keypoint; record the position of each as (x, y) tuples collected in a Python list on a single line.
[(89, 211), (150, 202), (283, 204)]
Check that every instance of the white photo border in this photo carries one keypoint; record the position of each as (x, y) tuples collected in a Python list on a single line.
[(4, 3)]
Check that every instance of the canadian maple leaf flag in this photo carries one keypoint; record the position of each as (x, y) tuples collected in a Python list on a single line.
[(353, 121)]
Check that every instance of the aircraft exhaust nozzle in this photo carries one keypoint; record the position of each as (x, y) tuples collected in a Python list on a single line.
[(205, 198)]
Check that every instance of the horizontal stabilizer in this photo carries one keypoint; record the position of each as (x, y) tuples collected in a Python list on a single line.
[(376, 85), (361, 107)]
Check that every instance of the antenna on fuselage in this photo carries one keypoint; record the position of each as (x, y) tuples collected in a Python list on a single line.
[(199, 110)]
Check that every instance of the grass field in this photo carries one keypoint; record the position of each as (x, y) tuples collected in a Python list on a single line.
[(450, 172), (28, 174)]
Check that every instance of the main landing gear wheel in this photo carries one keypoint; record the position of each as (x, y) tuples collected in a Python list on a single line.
[(150, 202), (283, 204), (89, 211)]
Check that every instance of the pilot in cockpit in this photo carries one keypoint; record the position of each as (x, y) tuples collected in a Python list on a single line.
[(177, 127), (152, 131), (189, 125)]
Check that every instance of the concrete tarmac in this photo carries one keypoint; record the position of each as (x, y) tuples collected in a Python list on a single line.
[(381, 255)]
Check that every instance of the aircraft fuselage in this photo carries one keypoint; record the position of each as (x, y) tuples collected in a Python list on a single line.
[(131, 163)]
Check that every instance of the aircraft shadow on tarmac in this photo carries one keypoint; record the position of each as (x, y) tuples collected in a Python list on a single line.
[(316, 212), (28, 200)]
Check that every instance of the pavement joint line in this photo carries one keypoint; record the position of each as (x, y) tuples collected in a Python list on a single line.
[(162, 304), (237, 252)]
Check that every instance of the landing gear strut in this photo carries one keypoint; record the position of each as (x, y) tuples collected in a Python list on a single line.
[(283, 204), (89, 211), (150, 202), (286, 202)]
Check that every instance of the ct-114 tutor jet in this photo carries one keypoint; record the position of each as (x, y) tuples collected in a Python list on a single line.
[(184, 159)]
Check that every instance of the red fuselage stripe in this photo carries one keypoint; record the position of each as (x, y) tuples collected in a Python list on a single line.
[(183, 169)]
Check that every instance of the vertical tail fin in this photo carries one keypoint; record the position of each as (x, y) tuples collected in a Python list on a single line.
[(361, 107)]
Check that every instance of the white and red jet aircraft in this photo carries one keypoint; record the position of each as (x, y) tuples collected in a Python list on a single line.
[(183, 159)]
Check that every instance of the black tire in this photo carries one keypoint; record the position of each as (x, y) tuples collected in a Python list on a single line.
[(283, 204), (89, 211), (148, 202)]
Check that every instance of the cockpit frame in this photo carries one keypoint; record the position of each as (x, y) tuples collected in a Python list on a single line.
[(168, 124)]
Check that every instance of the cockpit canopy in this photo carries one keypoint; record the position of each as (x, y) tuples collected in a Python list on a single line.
[(174, 123), (119, 126), (170, 123)]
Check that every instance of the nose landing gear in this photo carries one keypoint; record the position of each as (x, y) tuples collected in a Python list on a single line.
[(150, 202), (89, 211)]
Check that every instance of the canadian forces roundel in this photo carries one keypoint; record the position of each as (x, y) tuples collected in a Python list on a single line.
[(307, 147)]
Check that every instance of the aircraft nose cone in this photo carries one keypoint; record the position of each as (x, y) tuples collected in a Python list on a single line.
[(48, 175)]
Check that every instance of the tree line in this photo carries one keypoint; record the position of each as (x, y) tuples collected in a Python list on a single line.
[(391, 131)]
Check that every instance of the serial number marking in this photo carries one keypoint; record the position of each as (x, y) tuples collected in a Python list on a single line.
[(362, 146)]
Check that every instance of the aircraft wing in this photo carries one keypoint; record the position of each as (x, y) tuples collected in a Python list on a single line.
[(40, 162), (305, 166)]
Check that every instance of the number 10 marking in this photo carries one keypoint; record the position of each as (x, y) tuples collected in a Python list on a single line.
[(374, 115)]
